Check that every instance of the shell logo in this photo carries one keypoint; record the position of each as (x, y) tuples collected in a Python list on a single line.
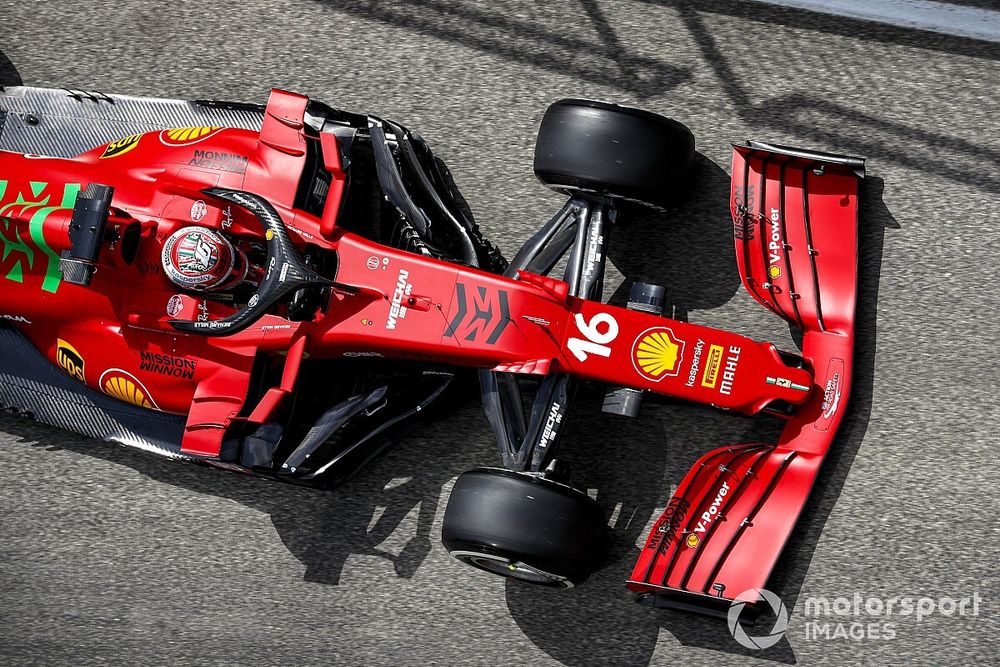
[(657, 354), (184, 136), (121, 146), (124, 386)]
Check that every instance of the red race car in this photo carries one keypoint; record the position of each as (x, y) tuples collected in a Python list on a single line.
[(177, 286)]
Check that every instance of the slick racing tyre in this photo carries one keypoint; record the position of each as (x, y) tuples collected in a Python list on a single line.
[(624, 153), (524, 527)]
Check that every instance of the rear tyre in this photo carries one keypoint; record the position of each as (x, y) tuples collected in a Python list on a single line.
[(620, 152), (524, 527)]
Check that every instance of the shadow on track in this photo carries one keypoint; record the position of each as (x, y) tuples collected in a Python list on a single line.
[(9, 76), (688, 248), (600, 57), (843, 25), (322, 529), (829, 124), (582, 43)]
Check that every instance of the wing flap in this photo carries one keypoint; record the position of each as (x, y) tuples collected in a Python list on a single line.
[(795, 214)]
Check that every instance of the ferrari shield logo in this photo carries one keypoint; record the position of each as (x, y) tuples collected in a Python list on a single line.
[(657, 354)]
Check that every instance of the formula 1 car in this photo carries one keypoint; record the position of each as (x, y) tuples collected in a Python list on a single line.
[(273, 289)]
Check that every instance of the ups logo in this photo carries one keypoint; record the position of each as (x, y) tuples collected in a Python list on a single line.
[(122, 146), (68, 359)]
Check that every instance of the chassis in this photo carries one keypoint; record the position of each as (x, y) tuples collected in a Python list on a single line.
[(373, 285)]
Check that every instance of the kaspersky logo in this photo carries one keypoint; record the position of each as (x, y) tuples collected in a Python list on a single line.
[(657, 354)]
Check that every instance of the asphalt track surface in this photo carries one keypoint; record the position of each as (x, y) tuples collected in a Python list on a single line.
[(114, 556)]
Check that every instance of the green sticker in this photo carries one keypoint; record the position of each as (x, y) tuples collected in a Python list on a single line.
[(11, 234)]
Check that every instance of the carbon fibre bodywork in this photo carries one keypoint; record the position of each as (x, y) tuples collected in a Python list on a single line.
[(65, 123), (30, 384)]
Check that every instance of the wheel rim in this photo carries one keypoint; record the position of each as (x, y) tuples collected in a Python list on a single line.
[(511, 567)]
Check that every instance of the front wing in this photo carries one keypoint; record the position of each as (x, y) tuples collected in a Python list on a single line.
[(795, 216)]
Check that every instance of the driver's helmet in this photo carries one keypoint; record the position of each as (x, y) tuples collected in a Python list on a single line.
[(201, 259)]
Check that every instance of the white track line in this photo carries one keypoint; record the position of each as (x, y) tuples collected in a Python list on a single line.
[(940, 17)]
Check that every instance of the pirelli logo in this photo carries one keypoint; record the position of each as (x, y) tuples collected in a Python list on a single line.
[(68, 359), (713, 362)]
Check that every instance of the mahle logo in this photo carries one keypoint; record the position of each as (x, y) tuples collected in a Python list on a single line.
[(763, 641)]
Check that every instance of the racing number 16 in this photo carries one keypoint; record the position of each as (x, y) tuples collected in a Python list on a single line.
[(596, 342)]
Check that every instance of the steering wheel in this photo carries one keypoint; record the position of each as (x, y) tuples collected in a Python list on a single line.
[(286, 272)]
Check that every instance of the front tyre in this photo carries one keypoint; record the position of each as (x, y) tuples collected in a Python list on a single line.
[(524, 527), (592, 147)]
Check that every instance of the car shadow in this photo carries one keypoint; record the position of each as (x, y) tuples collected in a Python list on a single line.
[(9, 76), (403, 486), (687, 248), (638, 467)]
